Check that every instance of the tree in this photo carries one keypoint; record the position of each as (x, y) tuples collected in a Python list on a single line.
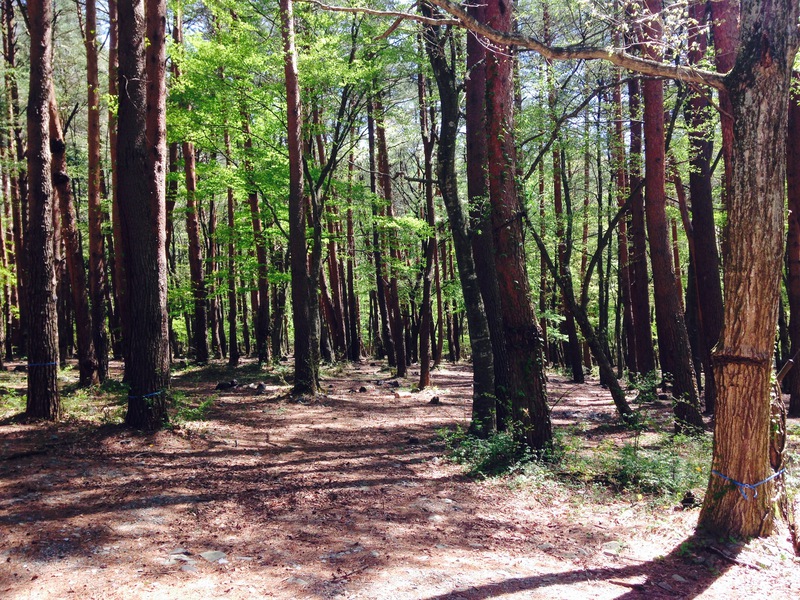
[(141, 158), (43, 398), (304, 295), (97, 270)]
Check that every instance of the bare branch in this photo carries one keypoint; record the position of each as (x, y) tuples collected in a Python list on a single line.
[(436, 21)]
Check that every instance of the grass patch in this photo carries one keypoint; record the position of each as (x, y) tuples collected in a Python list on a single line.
[(187, 409), (659, 465)]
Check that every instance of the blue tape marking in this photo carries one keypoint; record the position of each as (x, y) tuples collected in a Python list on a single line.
[(150, 395), (52, 364), (743, 487)]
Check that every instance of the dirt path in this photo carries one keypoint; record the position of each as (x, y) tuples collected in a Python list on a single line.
[(345, 497)]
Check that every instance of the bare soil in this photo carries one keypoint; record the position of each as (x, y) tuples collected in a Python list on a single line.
[(345, 495)]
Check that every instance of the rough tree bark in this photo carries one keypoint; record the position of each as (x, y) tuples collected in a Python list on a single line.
[(523, 338), (304, 302), (87, 360), (141, 157), (43, 400), (758, 88)]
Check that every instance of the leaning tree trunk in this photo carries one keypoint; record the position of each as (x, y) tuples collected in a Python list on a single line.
[(141, 161), (43, 399), (758, 88)]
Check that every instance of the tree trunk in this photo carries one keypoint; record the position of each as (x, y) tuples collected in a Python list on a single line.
[(392, 295), (233, 357), (141, 161), (426, 309), (43, 399), (87, 361), (523, 338), (97, 267), (195, 259), (758, 88), (306, 350), (673, 340), (639, 276), (354, 344), (483, 383)]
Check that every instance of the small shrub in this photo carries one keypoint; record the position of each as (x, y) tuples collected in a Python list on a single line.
[(185, 411), (500, 453)]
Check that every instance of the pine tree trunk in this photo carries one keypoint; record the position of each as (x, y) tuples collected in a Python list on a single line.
[(392, 294), (673, 339), (523, 338), (483, 382), (233, 340), (199, 294), (141, 158), (97, 267), (758, 90), (43, 399), (306, 350), (87, 360), (354, 331), (639, 275)]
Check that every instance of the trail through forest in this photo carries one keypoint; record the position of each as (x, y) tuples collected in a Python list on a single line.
[(346, 495)]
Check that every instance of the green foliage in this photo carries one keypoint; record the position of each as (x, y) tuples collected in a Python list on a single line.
[(646, 384), (189, 409), (667, 466), (500, 453)]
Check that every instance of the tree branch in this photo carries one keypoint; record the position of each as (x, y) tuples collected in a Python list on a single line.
[(615, 56)]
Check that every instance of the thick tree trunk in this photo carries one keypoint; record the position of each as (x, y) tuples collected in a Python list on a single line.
[(306, 350), (758, 89), (87, 360), (673, 339), (523, 338), (141, 157), (354, 344), (43, 400)]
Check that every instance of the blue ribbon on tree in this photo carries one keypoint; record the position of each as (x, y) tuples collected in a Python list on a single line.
[(150, 395), (50, 364), (743, 487)]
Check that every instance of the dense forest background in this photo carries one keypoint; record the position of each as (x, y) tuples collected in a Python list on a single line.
[(595, 188)]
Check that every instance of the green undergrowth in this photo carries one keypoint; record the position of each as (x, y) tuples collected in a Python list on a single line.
[(661, 466)]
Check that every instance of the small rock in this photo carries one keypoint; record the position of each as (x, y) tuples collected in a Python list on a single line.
[(612, 548), (261, 388), (678, 578), (412, 440), (226, 385), (180, 551), (394, 384), (435, 400), (189, 568), (665, 586), (213, 555), (362, 389)]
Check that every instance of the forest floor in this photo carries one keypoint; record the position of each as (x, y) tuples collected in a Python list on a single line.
[(350, 495)]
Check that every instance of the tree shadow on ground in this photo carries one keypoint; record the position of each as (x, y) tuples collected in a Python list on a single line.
[(697, 562)]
